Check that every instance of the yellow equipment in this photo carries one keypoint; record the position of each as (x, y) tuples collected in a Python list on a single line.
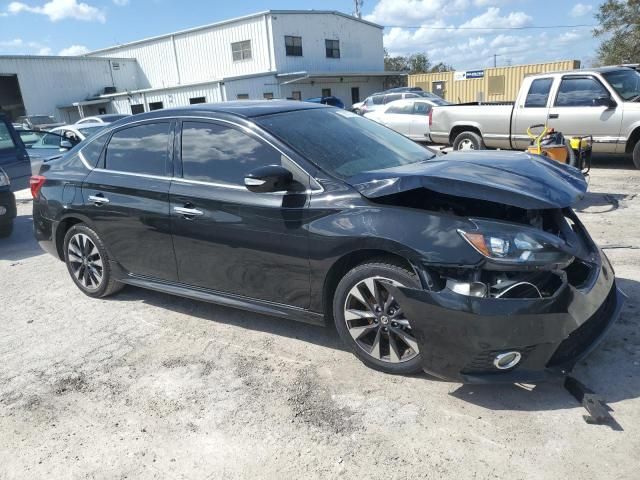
[(576, 152)]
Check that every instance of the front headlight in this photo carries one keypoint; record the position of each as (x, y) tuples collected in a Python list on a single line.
[(4, 179), (507, 243)]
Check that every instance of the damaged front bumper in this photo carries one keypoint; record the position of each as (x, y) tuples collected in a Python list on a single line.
[(460, 336)]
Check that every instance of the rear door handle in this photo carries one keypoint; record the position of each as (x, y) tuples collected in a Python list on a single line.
[(188, 212), (98, 199), (554, 115)]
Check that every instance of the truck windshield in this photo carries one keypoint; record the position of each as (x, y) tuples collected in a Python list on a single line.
[(626, 82), (342, 143)]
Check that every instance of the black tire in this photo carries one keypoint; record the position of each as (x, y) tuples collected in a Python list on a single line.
[(472, 139), (636, 155), (572, 158), (6, 230), (107, 285), (388, 269)]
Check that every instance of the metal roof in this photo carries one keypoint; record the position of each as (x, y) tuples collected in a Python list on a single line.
[(234, 20)]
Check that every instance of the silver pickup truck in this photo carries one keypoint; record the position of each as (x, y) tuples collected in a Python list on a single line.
[(603, 102)]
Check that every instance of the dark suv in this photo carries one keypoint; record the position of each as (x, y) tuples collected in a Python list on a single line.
[(471, 266), (15, 169)]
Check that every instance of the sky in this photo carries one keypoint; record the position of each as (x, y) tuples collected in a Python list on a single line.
[(463, 33)]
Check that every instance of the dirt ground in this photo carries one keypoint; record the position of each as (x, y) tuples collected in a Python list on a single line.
[(145, 385)]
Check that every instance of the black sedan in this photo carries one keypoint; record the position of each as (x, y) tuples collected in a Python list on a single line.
[(470, 266)]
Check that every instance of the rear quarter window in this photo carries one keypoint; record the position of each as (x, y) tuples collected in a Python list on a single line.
[(141, 149)]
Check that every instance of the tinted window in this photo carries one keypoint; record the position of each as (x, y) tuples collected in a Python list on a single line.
[(579, 92), (218, 154), (139, 149), (392, 97), (377, 99), (5, 137), (538, 93), (626, 82), (91, 152), (343, 143), (421, 108)]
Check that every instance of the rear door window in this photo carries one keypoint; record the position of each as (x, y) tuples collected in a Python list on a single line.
[(220, 154), (142, 149), (421, 108), (6, 140), (538, 93), (377, 99)]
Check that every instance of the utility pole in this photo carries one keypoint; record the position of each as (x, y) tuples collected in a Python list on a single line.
[(495, 60), (358, 8)]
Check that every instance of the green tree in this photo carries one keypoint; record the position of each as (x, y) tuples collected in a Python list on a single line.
[(620, 29)]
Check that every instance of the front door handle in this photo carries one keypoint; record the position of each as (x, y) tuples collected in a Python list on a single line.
[(98, 199), (554, 115), (188, 212)]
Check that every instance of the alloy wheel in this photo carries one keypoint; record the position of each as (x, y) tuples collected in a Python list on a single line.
[(85, 261), (376, 322), (466, 144)]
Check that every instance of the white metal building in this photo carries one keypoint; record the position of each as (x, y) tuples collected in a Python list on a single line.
[(294, 54), (274, 54)]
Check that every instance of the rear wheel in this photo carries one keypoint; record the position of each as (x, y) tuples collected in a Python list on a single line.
[(636, 155), (468, 141), (88, 262), (370, 321)]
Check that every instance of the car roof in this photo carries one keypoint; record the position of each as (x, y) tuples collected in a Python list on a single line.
[(240, 108), (78, 127)]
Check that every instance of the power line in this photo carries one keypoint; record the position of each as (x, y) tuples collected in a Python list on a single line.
[(531, 27)]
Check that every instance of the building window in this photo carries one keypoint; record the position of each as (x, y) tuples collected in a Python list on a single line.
[(326, 92), (293, 46), (241, 50), (243, 96), (333, 48), (196, 100), (268, 96), (137, 108), (155, 106), (297, 95)]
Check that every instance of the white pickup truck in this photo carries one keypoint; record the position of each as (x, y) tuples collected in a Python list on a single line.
[(603, 102)]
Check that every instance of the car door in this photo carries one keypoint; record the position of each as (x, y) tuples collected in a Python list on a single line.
[(231, 240), (13, 157), (531, 109), (584, 106), (420, 121), (126, 198)]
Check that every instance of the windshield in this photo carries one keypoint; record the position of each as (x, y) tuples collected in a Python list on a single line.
[(90, 131), (625, 82), (342, 143)]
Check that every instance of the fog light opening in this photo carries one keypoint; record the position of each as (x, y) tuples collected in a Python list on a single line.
[(507, 360)]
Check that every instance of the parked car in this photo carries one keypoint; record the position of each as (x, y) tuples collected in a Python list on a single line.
[(331, 101), (43, 145), (7, 205), (409, 117), (603, 102), (39, 122), (108, 118), (14, 159), (471, 266), (379, 100)]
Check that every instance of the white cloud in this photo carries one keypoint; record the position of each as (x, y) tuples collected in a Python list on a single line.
[(58, 10), (19, 46), (580, 10), (44, 51), (73, 50), (492, 19), (121, 3), (414, 12)]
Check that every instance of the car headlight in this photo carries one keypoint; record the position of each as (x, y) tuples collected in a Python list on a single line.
[(516, 245), (4, 179)]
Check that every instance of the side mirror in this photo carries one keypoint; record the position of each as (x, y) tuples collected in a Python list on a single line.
[(604, 101), (65, 145), (272, 178)]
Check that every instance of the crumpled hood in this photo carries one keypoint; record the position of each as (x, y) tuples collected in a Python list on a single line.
[(511, 178)]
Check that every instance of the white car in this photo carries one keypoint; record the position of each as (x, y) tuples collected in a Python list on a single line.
[(378, 101), (108, 118), (409, 117)]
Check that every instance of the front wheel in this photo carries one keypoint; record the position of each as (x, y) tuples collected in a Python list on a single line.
[(468, 141), (370, 321), (636, 155)]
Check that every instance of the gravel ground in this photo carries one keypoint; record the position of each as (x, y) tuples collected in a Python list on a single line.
[(145, 385)]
